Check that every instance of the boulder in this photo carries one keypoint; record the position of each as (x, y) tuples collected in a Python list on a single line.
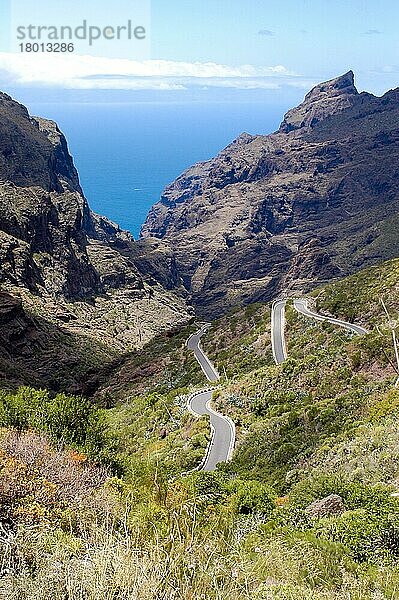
[(329, 506)]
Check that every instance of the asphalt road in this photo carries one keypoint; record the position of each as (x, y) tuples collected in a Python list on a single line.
[(278, 326), (223, 431), (221, 445), (301, 305), (193, 343), (222, 441)]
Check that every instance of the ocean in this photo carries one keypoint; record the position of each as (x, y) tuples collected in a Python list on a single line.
[(127, 153)]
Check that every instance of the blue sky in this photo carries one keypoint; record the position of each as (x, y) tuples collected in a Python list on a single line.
[(213, 49), (315, 38)]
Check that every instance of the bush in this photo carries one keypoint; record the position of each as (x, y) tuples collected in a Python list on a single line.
[(252, 496), (208, 487), (74, 420), (369, 528), (385, 406), (354, 494), (40, 485), (369, 537)]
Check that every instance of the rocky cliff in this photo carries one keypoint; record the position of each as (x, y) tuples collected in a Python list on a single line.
[(271, 214), (70, 279)]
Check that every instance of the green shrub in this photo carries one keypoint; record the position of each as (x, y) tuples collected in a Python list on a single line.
[(252, 496), (387, 405), (369, 528), (354, 494), (368, 536), (208, 487), (74, 420)]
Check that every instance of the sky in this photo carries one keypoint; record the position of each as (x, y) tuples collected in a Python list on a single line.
[(210, 50)]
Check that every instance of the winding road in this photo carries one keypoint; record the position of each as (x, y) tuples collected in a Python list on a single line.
[(193, 343), (278, 326), (221, 445), (301, 306)]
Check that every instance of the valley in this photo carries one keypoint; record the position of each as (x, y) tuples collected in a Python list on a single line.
[(146, 453)]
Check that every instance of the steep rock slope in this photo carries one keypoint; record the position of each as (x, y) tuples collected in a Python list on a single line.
[(314, 201), (67, 273)]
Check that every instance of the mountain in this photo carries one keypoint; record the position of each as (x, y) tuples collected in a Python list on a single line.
[(314, 201), (68, 276), (314, 476)]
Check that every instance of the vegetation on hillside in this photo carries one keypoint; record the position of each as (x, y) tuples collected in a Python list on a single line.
[(94, 504), (359, 296), (240, 341), (163, 365)]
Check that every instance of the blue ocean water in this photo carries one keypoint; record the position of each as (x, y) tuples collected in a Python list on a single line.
[(127, 153)]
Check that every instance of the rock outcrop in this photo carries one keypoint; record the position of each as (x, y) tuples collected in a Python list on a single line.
[(325, 99), (331, 505), (272, 214)]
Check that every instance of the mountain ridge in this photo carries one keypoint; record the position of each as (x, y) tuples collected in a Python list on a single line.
[(288, 210)]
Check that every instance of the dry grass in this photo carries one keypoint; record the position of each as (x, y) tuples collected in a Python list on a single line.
[(74, 477), (113, 567), (40, 485)]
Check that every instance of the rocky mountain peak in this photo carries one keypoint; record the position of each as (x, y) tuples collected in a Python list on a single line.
[(323, 100), (33, 152), (339, 86)]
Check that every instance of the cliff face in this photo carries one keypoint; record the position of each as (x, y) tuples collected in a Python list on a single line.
[(50, 241), (65, 271), (316, 200)]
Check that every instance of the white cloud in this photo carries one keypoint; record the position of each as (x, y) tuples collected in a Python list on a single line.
[(91, 72), (390, 69), (372, 32)]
